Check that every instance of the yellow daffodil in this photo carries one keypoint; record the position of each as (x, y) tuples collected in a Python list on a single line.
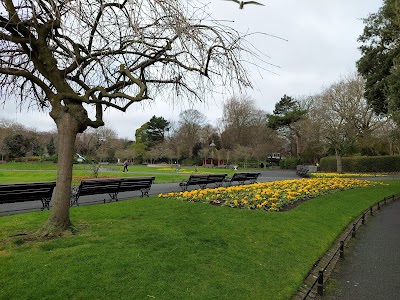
[(271, 196)]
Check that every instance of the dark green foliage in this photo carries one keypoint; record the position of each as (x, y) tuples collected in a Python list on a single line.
[(289, 163), (365, 164), (16, 145), (197, 147), (156, 128), (287, 111), (19, 145), (380, 61), (51, 147), (153, 131), (194, 161), (34, 146)]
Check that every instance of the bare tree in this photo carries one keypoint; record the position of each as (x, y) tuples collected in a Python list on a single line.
[(209, 134), (239, 121), (344, 116), (77, 58), (191, 122), (127, 153), (169, 151), (242, 153), (93, 143)]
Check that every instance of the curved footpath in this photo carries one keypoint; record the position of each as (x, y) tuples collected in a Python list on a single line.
[(157, 188), (371, 268)]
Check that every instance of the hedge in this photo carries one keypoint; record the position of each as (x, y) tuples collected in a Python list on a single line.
[(289, 163), (364, 164), (27, 159)]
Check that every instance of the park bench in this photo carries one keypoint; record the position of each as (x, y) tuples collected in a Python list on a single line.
[(202, 180), (302, 171), (112, 187), (242, 177), (22, 192)]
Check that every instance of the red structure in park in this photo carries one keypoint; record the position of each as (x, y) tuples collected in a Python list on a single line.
[(209, 163)]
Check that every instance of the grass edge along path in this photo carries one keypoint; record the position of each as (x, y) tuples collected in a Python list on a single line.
[(165, 249)]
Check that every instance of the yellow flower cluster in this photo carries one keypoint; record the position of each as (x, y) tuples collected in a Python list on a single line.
[(270, 196), (342, 175)]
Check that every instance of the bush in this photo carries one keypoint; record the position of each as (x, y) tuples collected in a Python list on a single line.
[(192, 162), (364, 164), (28, 158), (328, 164), (289, 163), (53, 158)]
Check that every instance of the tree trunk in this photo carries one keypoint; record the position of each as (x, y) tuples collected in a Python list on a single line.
[(190, 154), (298, 144), (338, 161), (391, 152), (59, 220)]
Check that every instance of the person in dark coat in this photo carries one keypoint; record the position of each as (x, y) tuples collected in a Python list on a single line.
[(125, 164)]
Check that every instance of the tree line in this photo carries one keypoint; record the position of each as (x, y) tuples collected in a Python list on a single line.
[(336, 121)]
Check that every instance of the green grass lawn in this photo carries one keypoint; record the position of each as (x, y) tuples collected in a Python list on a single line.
[(36, 172), (151, 248)]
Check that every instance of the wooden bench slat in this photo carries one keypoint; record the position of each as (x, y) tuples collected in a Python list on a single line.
[(242, 177), (112, 186), (22, 192), (142, 184), (202, 180)]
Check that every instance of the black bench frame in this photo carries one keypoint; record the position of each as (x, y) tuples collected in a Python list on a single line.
[(302, 171), (202, 180), (22, 192), (242, 177), (111, 186)]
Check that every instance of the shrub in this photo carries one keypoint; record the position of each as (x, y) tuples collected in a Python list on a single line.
[(28, 158), (53, 158), (289, 163), (328, 164), (192, 162)]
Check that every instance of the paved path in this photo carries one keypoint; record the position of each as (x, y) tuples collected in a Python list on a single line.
[(157, 188), (371, 269)]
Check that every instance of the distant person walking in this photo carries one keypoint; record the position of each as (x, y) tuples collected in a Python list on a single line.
[(125, 164)]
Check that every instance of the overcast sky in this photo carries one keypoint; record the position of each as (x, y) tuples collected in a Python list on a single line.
[(322, 46)]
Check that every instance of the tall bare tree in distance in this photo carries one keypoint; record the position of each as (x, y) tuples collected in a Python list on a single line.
[(76, 59)]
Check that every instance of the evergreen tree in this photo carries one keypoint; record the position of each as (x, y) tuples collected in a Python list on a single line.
[(51, 147), (286, 113), (380, 61)]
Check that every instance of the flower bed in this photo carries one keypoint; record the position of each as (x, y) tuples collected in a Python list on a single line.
[(269, 196)]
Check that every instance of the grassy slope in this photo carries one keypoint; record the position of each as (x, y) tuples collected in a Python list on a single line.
[(170, 249)]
